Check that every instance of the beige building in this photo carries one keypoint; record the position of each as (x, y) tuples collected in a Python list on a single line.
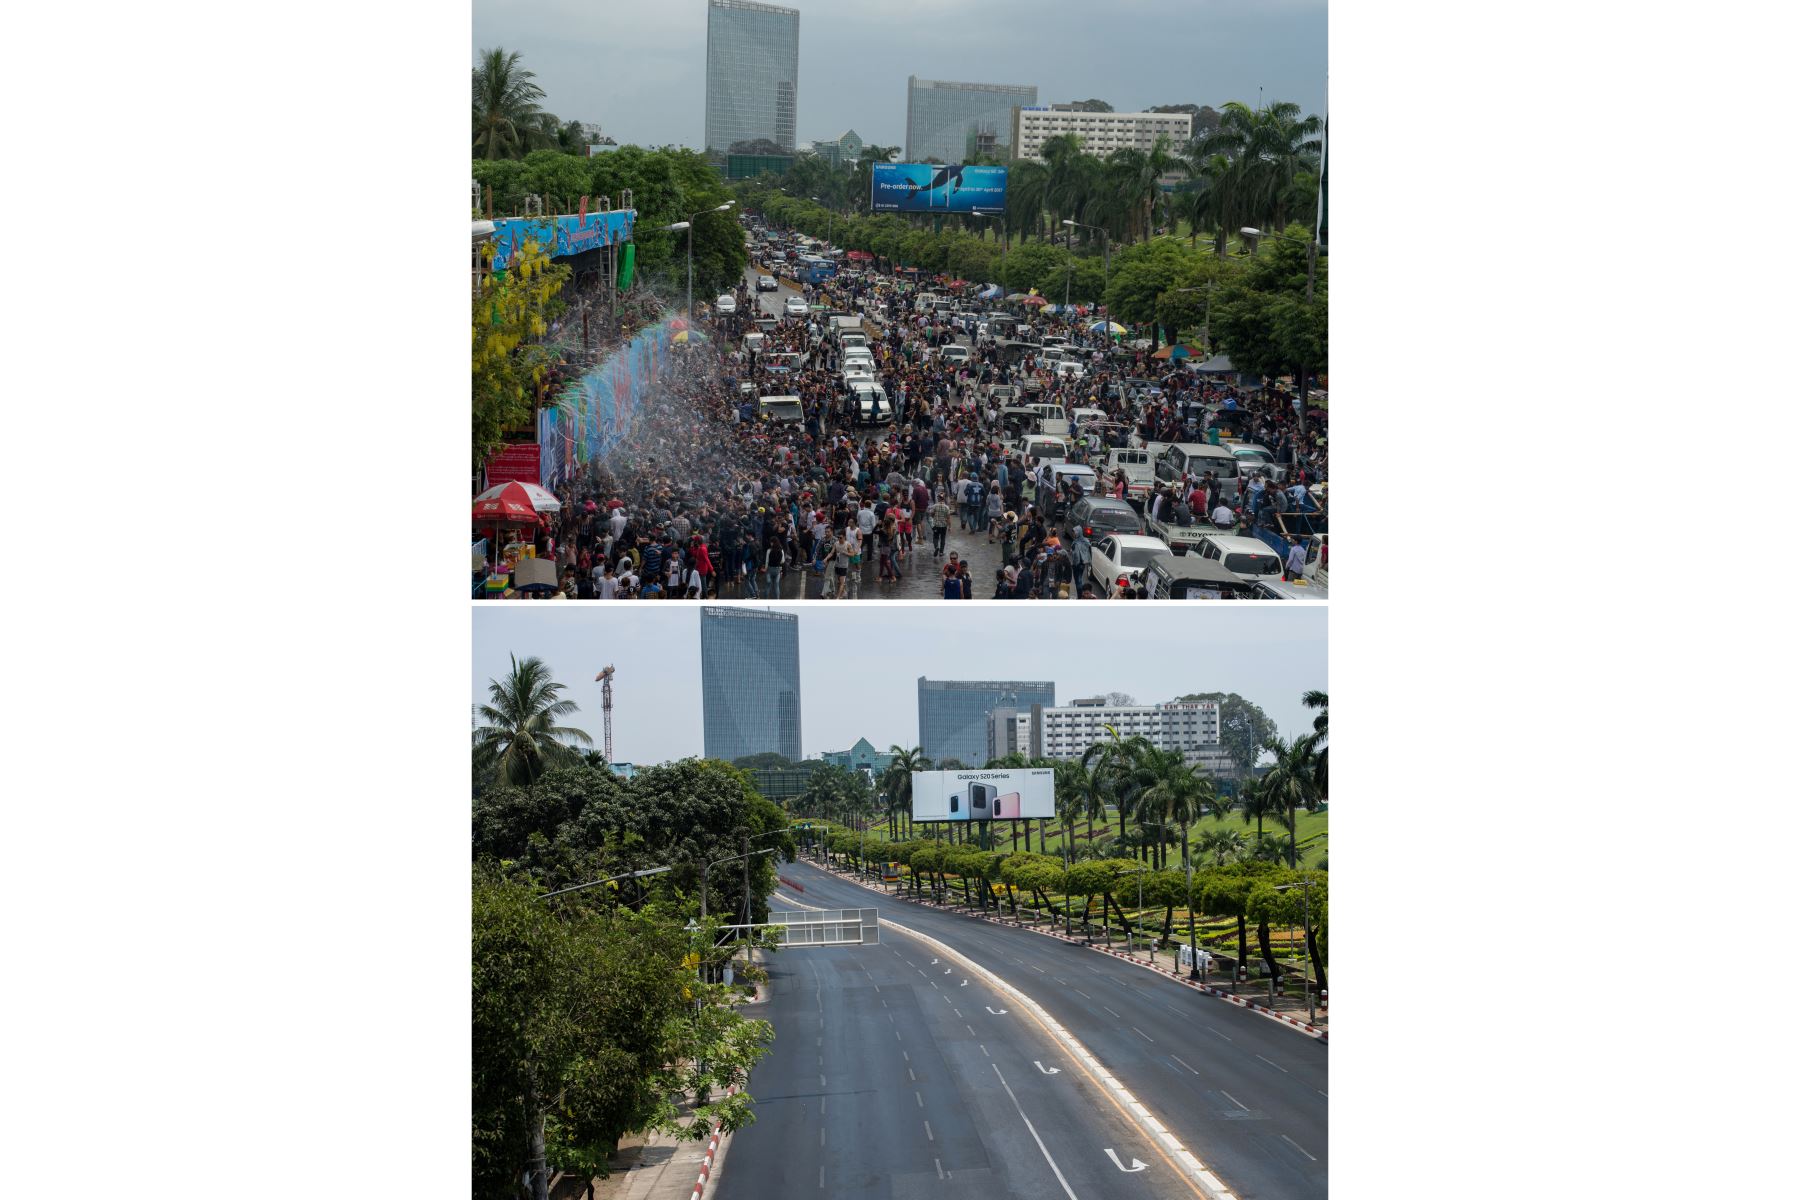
[(1100, 132)]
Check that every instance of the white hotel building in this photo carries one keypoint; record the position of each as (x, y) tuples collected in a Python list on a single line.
[(1192, 729), (1100, 132)]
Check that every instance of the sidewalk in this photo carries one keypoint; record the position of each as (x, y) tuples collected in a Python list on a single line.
[(657, 1166), (1253, 993)]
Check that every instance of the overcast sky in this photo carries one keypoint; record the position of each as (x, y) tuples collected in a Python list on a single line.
[(639, 70), (860, 664)]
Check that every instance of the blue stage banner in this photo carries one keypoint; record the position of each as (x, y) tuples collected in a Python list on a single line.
[(572, 235), (929, 187)]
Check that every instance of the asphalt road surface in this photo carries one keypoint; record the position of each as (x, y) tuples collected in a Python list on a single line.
[(1246, 1095), (896, 1076)]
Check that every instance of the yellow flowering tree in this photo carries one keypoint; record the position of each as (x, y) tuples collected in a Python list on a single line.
[(511, 314)]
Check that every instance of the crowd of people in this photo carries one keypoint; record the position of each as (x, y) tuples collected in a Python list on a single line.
[(710, 498)]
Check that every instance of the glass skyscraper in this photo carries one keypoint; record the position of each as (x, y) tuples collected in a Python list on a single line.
[(752, 73), (750, 682), (951, 121), (953, 714)]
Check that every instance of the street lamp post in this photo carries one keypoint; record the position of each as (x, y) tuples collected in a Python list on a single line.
[(1305, 886), (689, 226), (1129, 939), (596, 883), (1105, 248), (1187, 867), (706, 867), (995, 216), (1206, 330), (829, 217)]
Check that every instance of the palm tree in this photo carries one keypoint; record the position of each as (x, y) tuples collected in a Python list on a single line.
[(1253, 160), (1176, 792), (896, 781), (521, 739), (1027, 183), (507, 119), (1288, 784), (1222, 845), (1316, 743)]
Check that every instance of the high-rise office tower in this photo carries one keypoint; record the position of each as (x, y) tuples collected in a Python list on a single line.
[(752, 73), (952, 122), (953, 714), (750, 682)]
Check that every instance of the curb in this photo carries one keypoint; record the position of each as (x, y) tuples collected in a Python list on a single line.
[(1312, 1031), (712, 1148)]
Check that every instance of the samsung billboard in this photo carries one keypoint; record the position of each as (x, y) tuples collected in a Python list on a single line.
[(931, 187), (1021, 793)]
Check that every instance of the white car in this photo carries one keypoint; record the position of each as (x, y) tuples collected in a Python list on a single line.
[(725, 305), (795, 306), (765, 283), (955, 353), (1252, 458), (1119, 554), (1250, 559)]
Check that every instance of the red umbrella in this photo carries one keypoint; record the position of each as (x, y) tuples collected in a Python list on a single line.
[(510, 505), (678, 324), (1034, 301)]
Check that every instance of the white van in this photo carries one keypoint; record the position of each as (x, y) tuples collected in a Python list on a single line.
[(783, 410), (1190, 460), (1248, 558)]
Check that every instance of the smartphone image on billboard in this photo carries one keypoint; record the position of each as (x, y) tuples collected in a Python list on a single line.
[(1007, 805), (981, 798), (955, 803)]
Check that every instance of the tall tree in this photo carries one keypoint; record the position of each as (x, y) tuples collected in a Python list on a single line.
[(896, 781), (507, 119), (521, 737)]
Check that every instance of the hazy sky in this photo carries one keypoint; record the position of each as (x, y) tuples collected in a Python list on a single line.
[(860, 664), (639, 70)]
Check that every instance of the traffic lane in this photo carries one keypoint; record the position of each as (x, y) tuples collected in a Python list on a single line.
[(1047, 1128), (1253, 1107), (842, 1110)]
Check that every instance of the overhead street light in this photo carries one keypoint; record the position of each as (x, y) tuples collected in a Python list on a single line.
[(709, 866), (689, 226), (1305, 886), (1105, 248), (1140, 873), (596, 883)]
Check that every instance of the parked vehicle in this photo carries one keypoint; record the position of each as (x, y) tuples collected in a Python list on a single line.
[(1140, 474), (1097, 516), (1247, 557), (869, 404), (1166, 577), (1184, 462), (795, 306), (1121, 554), (766, 283)]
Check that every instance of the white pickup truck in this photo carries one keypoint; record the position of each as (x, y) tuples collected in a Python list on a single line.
[(1181, 538), (1140, 472)]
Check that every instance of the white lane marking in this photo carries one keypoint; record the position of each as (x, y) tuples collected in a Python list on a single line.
[(920, 1099), (1109, 1010), (1095, 970), (1296, 1145), (821, 1174), (1038, 969), (940, 1167), (1178, 1059), (1060, 980), (1143, 1035), (897, 1035), (1226, 1036), (821, 1081), (910, 1076), (1276, 1065), (1067, 1191), (928, 1136), (956, 1010), (1234, 1099), (971, 1030), (1084, 994), (1133, 1169), (821, 1135), (985, 1053), (1321, 1093), (906, 1056)]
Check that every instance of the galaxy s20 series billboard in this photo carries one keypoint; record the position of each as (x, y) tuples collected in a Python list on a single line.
[(1028, 793), (933, 187)]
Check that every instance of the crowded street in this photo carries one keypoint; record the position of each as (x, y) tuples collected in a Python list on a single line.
[(830, 430)]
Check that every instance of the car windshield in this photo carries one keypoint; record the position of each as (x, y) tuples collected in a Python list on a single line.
[(1253, 564), (1115, 518), (1139, 556), (1261, 456)]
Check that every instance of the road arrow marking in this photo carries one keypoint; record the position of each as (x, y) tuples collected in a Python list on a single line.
[(1047, 1070), (997, 1012), (947, 970), (964, 983), (1135, 1164)]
